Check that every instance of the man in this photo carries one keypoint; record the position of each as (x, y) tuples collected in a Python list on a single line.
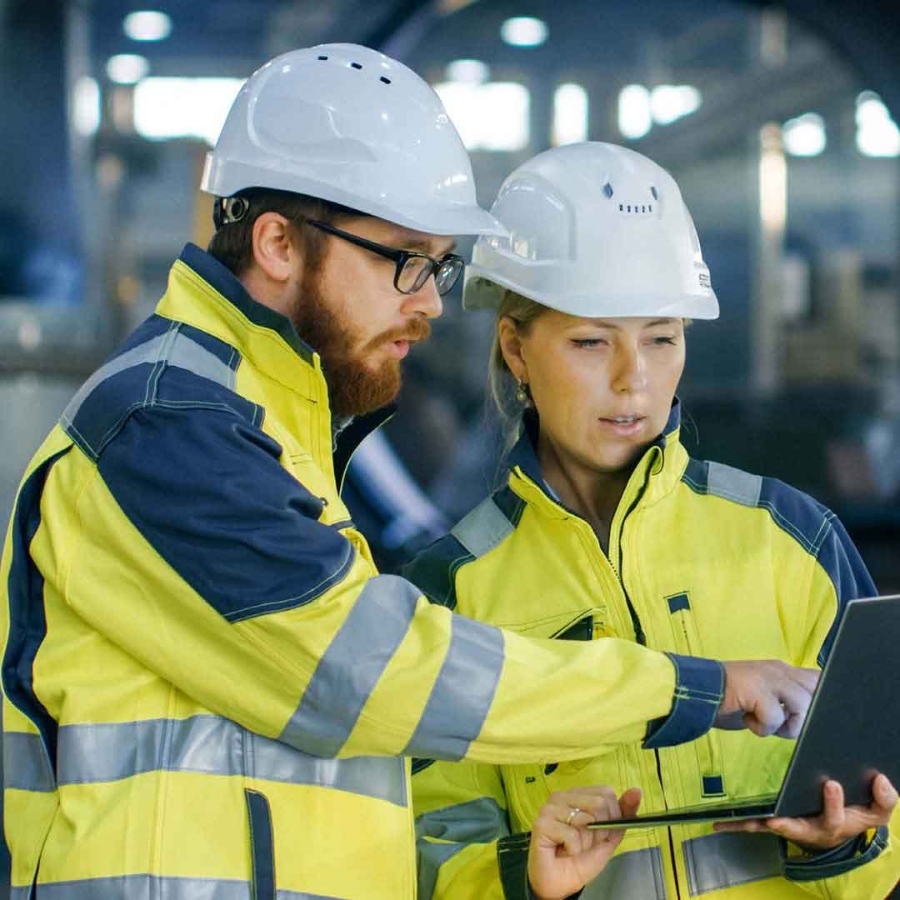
[(209, 691)]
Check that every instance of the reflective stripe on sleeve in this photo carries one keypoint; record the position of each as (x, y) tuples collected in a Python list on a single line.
[(462, 693), (352, 665)]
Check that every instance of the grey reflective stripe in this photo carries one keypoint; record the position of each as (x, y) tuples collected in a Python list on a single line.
[(25, 763), (733, 484), (429, 859), (144, 887), (475, 821), (636, 875), (717, 861), (173, 347), (462, 693), (208, 745), (352, 665), (483, 528), (143, 353), (188, 354)]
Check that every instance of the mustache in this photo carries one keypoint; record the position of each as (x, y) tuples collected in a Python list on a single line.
[(415, 330)]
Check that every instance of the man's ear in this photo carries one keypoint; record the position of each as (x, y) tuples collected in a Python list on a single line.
[(273, 250)]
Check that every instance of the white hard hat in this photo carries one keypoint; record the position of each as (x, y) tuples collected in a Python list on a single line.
[(594, 230), (347, 124)]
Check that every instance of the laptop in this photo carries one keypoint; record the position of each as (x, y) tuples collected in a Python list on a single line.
[(852, 728)]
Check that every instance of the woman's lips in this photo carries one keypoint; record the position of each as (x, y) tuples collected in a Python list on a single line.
[(623, 426)]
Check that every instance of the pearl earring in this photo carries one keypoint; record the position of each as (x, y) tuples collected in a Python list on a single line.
[(522, 392)]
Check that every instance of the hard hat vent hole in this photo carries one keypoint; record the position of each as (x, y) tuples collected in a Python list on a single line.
[(356, 65), (323, 57), (385, 80), (655, 195), (608, 190)]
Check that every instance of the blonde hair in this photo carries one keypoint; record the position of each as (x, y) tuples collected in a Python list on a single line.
[(502, 383)]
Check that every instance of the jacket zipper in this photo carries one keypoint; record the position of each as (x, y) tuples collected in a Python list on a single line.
[(641, 638)]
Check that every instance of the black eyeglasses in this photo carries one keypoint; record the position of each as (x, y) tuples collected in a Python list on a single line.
[(412, 269)]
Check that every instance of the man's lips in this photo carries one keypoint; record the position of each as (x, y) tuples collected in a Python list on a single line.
[(399, 349)]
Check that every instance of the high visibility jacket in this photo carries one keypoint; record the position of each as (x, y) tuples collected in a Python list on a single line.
[(704, 559), (208, 689)]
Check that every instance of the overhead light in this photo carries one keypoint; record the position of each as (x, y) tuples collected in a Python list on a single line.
[(669, 102), (127, 68), (570, 115), (86, 106), (877, 134), (804, 135), (472, 71), (491, 116), (635, 118), (147, 25), (524, 31), (166, 108)]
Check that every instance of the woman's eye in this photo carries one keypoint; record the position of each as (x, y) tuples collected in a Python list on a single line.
[(664, 340), (587, 342)]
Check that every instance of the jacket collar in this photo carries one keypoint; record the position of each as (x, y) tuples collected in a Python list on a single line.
[(660, 467), (204, 293), (220, 278)]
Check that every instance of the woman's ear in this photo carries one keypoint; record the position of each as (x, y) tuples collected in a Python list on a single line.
[(512, 349), (273, 250)]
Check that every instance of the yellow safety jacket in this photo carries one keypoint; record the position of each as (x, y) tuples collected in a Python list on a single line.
[(208, 689), (702, 559)]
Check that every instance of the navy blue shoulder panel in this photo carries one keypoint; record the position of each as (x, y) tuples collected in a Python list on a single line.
[(206, 489), (510, 504), (797, 513), (163, 362), (27, 617), (433, 570), (811, 524)]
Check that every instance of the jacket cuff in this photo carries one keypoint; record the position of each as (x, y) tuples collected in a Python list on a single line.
[(699, 689), (512, 858), (844, 858)]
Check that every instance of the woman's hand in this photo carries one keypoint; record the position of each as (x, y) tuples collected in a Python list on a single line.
[(563, 855), (835, 824)]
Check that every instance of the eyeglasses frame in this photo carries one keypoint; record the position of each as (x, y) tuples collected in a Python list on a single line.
[(399, 257)]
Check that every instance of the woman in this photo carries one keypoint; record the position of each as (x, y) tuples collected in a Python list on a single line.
[(592, 288)]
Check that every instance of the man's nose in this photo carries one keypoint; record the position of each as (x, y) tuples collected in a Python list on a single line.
[(425, 301)]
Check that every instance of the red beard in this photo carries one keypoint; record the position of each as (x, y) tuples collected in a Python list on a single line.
[(354, 386)]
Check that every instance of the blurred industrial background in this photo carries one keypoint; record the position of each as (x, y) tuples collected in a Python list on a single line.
[(778, 121)]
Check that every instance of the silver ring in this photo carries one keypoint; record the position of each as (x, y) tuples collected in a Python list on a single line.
[(573, 811)]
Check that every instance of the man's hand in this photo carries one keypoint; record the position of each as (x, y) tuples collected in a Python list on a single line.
[(563, 855), (767, 696), (835, 824)]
